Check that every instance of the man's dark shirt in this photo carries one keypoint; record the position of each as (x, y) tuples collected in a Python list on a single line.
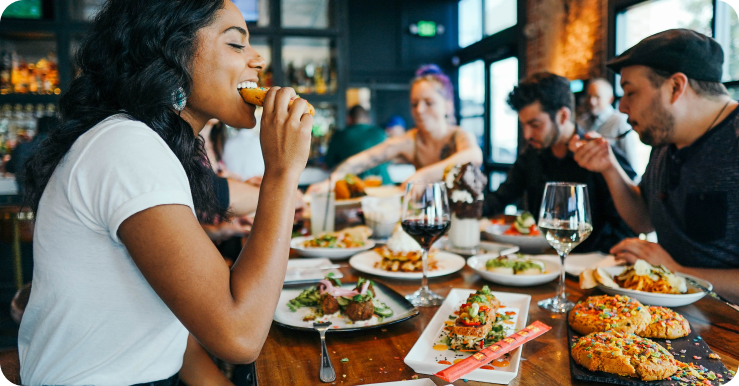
[(693, 197), (534, 168)]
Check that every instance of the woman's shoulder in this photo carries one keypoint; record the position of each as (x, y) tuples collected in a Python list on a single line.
[(119, 138)]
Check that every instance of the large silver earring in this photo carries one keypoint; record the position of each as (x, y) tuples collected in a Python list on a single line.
[(179, 100)]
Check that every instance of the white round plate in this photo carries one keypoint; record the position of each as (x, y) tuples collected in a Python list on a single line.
[(331, 253), (528, 244), (478, 264), (657, 299), (447, 263)]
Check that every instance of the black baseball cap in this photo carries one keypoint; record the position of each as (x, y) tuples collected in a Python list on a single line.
[(696, 55)]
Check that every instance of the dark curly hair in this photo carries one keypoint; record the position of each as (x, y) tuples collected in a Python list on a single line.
[(135, 55), (550, 90)]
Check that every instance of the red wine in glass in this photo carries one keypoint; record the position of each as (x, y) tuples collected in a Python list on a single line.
[(424, 233)]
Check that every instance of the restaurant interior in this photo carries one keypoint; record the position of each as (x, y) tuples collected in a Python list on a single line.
[(339, 54)]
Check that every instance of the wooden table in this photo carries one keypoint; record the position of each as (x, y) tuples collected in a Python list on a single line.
[(291, 357)]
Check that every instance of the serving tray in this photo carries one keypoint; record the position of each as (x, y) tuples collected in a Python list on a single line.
[(693, 345)]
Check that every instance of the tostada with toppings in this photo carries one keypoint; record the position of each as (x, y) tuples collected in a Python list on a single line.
[(665, 324), (603, 313), (625, 354)]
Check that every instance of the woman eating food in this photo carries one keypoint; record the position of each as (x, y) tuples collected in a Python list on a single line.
[(123, 270), (431, 146)]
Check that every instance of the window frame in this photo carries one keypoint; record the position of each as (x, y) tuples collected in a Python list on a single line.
[(507, 43), (617, 6)]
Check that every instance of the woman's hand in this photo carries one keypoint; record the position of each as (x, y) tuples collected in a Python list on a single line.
[(286, 132)]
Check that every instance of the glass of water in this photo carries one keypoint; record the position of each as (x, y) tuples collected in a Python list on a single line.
[(565, 220)]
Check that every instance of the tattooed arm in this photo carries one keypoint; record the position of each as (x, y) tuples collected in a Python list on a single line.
[(460, 150), (374, 156)]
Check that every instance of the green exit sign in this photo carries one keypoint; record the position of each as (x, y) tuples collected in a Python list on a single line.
[(426, 28)]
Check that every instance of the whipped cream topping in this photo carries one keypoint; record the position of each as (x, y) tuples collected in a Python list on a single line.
[(401, 242)]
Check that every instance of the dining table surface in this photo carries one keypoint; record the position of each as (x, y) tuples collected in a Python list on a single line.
[(291, 357)]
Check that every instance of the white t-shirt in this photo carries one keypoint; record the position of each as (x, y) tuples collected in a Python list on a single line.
[(92, 318), (242, 154)]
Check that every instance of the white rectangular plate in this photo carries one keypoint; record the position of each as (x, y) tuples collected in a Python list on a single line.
[(423, 358), (299, 272)]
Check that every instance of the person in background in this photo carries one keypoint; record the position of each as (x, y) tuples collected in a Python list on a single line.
[(357, 136), (24, 149), (431, 146), (676, 102), (240, 198), (395, 126), (214, 135), (545, 104), (126, 284), (607, 121), (242, 153)]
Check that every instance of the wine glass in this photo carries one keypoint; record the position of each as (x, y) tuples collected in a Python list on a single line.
[(565, 220), (426, 217)]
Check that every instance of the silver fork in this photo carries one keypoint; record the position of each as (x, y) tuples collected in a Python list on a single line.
[(327, 373)]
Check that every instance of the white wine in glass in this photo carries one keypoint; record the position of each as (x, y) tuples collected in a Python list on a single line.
[(566, 222)]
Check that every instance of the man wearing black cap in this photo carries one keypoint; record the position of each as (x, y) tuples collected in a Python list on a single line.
[(689, 193)]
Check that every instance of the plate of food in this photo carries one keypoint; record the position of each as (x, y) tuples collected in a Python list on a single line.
[(467, 321), (334, 245), (302, 271), (349, 306), (515, 270), (654, 285), (523, 232), (401, 257)]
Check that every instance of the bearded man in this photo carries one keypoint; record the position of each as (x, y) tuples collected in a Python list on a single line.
[(676, 103), (545, 108)]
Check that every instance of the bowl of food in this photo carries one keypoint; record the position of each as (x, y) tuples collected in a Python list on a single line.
[(654, 285), (523, 232), (515, 270)]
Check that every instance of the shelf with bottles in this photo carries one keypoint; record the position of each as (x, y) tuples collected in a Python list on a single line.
[(29, 65), (309, 64), (324, 124), (18, 123)]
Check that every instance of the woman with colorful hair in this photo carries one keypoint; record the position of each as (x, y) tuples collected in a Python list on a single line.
[(431, 146)]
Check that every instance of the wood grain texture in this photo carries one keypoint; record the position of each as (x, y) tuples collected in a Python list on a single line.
[(292, 357)]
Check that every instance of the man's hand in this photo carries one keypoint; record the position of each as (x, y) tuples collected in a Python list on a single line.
[(593, 153), (633, 249)]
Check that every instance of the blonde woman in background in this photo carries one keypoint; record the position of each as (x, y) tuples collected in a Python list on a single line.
[(434, 143)]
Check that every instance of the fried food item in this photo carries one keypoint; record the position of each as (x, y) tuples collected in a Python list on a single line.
[(665, 324), (360, 310), (603, 313), (250, 93), (329, 304), (342, 191), (587, 279), (350, 186), (404, 261), (624, 354), (476, 318)]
